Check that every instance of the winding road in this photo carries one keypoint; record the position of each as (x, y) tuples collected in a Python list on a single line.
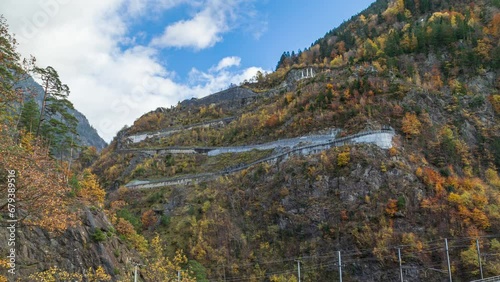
[(304, 145)]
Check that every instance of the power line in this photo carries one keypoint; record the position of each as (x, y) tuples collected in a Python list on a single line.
[(352, 256)]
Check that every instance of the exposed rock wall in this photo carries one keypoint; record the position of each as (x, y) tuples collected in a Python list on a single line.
[(73, 251)]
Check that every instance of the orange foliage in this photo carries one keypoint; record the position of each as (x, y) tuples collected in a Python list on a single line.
[(419, 172), (40, 186), (392, 207), (393, 152), (117, 205), (148, 122), (495, 25), (411, 125), (148, 219), (124, 227), (272, 121), (480, 218), (343, 215), (436, 81), (397, 110), (434, 179)]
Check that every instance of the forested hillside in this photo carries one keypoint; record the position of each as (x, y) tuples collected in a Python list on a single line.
[(428, 69), (423, 73)]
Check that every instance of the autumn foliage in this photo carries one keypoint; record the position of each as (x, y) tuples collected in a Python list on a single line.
[(41, 189), (148, 219), (411, 126)]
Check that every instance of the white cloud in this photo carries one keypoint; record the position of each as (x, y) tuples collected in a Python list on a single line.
[(228, 62), (207, 26), (218, 78), (200, 32), (112, 86)]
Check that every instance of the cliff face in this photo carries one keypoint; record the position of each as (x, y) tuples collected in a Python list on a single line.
[(235, 97), (88, 135), (76, 250)]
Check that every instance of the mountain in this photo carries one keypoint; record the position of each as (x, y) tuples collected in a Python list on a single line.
[(88, 135), (378, 146)]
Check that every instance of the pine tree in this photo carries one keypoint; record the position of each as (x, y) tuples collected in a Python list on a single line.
[(56, 123), (30, 116)]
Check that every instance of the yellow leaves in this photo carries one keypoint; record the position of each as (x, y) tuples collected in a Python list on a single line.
[(264, 246), (455, 198), (393, 152), (411, 125), (362, 18), (492, 177), (99, 275), (495, 102), (383, 167), (439, 15), (282, 278), (27, 140), (409, 42), (289, 97), (124, 227), (383, 240), (90, 189), (337, 61), (54, 274), (370, 49), (4, 263), (480, 218), (161, 268), (469, 257), (394, 8), (344, 157), (411, 240), (484, 47)]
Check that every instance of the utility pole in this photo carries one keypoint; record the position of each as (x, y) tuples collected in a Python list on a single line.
[(178, 275), (479, 258), (224, 268), (135, 270), (400, 267), (298, 268), (135, 273), (448, 258), (340, 267)]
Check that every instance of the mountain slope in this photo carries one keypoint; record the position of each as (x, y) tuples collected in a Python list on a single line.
[(428, 69), (88, 136)]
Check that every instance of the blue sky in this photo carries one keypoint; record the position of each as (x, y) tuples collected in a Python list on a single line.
[(123, 58), (260, 39)]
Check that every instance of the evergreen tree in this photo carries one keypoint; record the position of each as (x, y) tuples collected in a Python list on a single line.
[(30, 116), (56, 123)]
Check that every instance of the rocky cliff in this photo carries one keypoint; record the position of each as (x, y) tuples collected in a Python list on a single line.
[(91, 243)]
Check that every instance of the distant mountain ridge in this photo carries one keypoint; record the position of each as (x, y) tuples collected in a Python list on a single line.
[(88, 135)]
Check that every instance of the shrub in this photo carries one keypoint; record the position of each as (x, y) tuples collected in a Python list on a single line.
[(98, 235)]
